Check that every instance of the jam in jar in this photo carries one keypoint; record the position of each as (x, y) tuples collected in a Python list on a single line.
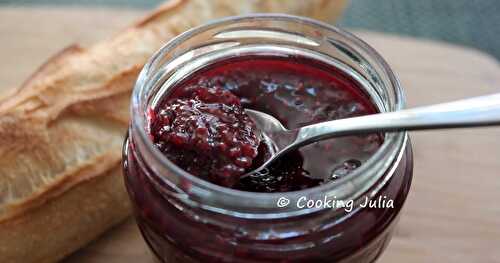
[(190, 141)]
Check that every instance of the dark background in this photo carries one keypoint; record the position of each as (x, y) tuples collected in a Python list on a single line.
[(475, 23)]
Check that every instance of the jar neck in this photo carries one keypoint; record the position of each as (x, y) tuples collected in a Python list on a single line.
[(275, 35)]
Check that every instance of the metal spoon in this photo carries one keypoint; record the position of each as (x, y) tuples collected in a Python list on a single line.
[(478, 111)]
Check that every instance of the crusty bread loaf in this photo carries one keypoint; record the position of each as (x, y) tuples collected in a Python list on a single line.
[(61, 132)]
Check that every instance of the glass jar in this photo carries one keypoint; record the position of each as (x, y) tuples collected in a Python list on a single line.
[(186, 219)]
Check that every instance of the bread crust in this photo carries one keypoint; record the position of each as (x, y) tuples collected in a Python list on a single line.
[(49, 232), (61, 132)]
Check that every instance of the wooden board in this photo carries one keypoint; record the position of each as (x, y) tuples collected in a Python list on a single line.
[(453, 211)]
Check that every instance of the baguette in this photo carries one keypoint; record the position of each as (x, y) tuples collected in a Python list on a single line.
[(61, 132)]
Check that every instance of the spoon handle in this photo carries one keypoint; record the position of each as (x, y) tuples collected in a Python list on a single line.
[(478, 111)]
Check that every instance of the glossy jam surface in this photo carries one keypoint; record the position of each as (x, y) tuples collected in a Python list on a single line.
[(201, 125)]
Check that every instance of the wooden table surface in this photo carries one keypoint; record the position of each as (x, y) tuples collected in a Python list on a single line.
[(453, 211)]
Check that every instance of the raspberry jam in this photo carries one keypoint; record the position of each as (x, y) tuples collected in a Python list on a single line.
[(190, 142), (201, 125), (207, 133)]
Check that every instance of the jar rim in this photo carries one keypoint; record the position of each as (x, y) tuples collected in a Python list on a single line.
[(229, 201)]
